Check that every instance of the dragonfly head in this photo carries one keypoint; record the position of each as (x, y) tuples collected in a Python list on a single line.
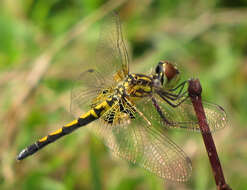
[(166, 74)]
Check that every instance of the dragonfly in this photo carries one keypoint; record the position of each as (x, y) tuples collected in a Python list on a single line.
[(131, 111)]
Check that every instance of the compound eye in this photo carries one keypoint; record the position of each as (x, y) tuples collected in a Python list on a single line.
[(171, 71), (159, 68), (162, 79)]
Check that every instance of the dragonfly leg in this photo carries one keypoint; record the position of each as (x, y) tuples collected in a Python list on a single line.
[(181, 85), (159, 110), (167, 99), (171, 96)]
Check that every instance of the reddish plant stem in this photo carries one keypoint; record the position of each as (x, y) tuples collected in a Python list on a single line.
[(195, 91)]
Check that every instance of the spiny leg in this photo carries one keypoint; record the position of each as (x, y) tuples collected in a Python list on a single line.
[(159, 110), (181, 85), (134, 109), (171, 96), (170, 103)]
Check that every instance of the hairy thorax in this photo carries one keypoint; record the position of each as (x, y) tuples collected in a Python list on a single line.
[(135, 86)]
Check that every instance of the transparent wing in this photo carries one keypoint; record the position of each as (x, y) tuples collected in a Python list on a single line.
[(87, 90), (111, 56), (184, 116), (132, 137), (109, 65)]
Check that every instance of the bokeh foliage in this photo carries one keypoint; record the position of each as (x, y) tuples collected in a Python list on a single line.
[(207, 39)]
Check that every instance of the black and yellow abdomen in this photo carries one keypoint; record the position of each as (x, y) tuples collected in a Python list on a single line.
[(83, 120)]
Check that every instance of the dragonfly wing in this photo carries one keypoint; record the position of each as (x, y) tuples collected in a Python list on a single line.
[(87, 87), (111, 54), (138, 141), (184, 116), (110, 65)]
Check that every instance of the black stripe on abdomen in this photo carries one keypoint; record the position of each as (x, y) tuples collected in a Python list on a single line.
[(54, 136)]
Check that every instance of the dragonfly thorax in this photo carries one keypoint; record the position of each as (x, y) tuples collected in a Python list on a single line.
[(135, 85)]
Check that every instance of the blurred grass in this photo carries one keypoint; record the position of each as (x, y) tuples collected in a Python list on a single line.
[(207, 39)]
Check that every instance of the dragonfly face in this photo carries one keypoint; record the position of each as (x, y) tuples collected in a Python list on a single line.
[(138, 85), (166, 75), (132, 110)]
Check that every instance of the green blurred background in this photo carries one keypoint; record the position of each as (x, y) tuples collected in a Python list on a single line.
[(43, 47)]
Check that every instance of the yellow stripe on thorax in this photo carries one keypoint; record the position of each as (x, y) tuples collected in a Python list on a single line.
[(144, 78), (144, 88)]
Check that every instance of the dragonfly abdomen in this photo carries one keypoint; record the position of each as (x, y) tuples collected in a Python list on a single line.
[(83, 120)]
